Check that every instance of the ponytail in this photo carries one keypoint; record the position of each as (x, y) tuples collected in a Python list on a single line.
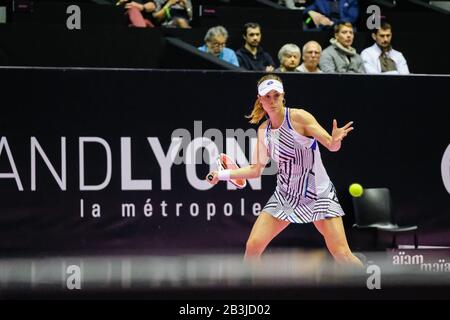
[(257, 113)]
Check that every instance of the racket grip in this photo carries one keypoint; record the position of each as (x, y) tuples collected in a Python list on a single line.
[(210, 177)]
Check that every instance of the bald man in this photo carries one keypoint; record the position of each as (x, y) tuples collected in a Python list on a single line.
[(311, 58)]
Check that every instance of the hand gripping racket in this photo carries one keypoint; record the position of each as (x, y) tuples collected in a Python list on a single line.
[(225, 162)]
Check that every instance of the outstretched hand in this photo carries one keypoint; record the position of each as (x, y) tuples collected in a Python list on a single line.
[(340, 133)]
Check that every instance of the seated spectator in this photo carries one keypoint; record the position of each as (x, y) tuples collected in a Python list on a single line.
[(289, 56), (326, 13), (215, 44), (173, 13), (252, 56), (381, 57), (340, 56), (139, 13), (311, 57)]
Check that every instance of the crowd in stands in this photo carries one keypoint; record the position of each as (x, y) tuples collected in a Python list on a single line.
[(338, 57)]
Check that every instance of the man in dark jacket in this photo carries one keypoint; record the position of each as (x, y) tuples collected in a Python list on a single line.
[(251, 56)]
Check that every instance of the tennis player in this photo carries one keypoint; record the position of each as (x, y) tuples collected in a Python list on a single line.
[(304, 192)]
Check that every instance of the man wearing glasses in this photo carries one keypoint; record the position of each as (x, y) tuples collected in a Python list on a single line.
[(215, 44)]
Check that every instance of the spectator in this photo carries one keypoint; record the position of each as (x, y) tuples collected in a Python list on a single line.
[(173, 13), (139, 13), (215, 44), (311, 57), (252, 56), (289, 56), (381, 57), (326, 13), (340, 56)]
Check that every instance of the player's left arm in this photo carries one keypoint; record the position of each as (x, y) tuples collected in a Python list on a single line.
[(313, 128)]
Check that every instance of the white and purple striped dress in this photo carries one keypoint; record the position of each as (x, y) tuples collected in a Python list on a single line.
[(304, 192)]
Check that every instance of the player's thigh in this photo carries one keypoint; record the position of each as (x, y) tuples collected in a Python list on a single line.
[(333, 231), (266, 227)]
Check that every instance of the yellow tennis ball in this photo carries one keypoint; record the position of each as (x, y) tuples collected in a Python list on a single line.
[(356, 190)]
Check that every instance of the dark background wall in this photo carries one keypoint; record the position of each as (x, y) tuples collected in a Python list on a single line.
[(401, 133)]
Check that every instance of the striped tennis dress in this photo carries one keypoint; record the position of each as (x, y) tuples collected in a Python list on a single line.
[(304, 192)]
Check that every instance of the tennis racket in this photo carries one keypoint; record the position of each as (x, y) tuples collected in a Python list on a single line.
[(225, 162)]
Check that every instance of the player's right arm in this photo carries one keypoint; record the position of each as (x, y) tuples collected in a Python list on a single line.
[(259, 161)]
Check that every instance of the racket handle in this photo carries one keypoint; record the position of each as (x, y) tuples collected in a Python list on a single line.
[(210, 177)]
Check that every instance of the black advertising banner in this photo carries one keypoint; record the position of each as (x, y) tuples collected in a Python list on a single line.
[(100, 160)]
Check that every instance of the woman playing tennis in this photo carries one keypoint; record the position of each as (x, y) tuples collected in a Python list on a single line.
[(304, 192)]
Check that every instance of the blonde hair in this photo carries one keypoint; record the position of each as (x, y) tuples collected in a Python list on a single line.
[(258, 112)]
